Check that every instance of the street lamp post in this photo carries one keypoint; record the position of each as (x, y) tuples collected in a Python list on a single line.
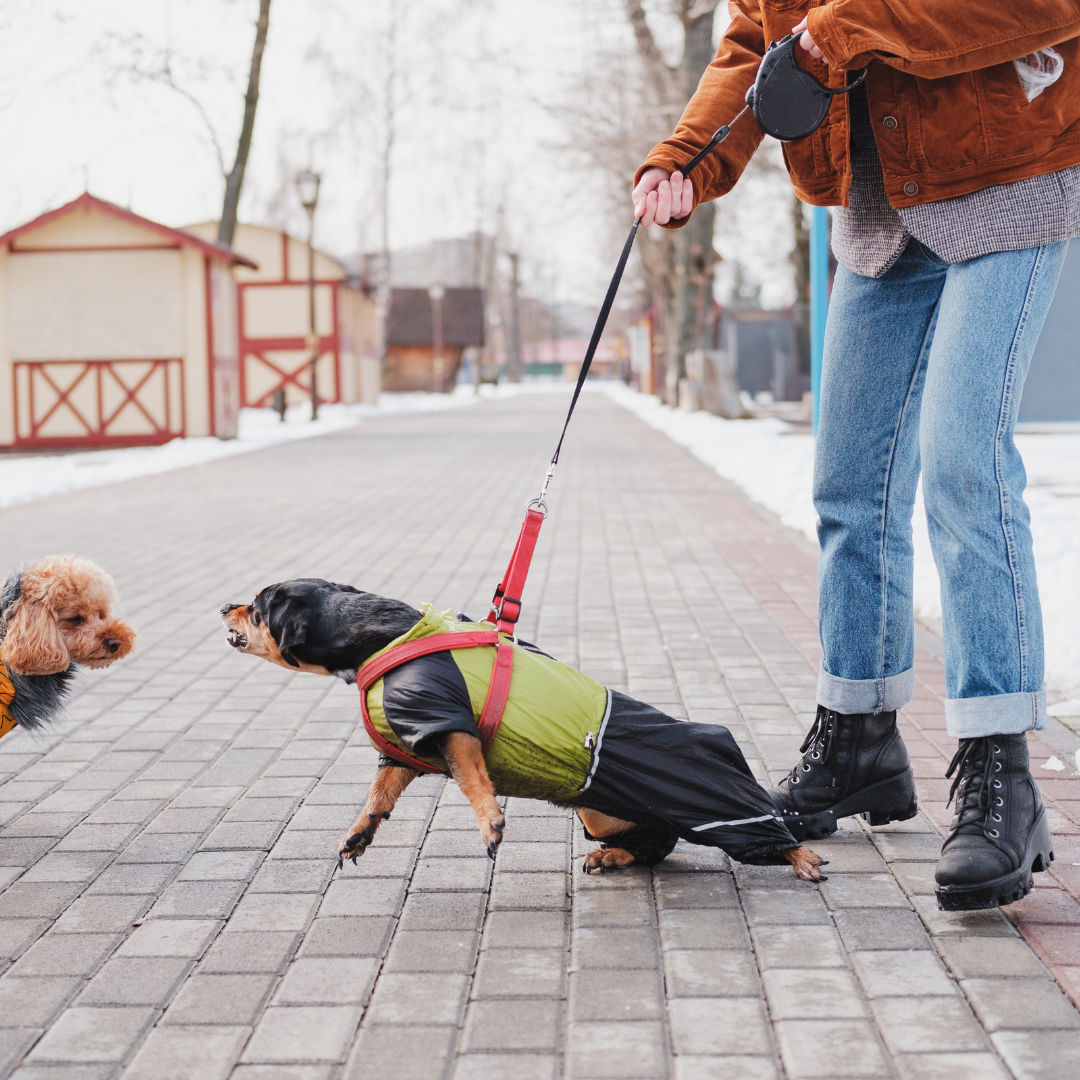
[(307, 185), (438, 364)]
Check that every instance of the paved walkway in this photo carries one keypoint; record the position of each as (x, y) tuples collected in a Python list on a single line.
[(172, 908)]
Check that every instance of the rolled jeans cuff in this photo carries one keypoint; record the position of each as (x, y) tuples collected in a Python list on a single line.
[(999, 714), (865, 695)]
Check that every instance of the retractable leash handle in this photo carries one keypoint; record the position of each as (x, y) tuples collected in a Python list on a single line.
[(789, 104)]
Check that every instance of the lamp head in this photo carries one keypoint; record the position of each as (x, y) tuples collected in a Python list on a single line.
[(307, 186)]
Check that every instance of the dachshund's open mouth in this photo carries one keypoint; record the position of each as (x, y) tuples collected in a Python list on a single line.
[(237, 640)]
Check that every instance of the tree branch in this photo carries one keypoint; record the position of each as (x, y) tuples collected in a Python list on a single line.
[(657, 72)]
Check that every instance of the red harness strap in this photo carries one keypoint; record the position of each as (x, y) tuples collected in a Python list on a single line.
[(506, 605), (494, 704)]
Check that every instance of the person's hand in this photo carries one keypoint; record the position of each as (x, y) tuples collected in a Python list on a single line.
[(807, 43), (661, 196)]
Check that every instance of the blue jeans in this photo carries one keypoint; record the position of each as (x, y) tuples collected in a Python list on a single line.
[(926, 366)]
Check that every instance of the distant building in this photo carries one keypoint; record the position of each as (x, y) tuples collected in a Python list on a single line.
[(115, 331), (274, 320), (427, 333)]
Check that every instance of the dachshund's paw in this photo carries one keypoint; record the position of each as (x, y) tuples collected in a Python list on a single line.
[(606, 858), (492, 825), (805, 864), (357, 840)]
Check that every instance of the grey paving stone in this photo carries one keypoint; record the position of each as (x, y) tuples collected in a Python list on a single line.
[(347, 936), (301, 875), (695, 891), (402, 998), (433, 950), (506, 973), (489, 1066), (881, 928), (704, 1067), (703, 929), (133, 878), (175, 1053), (221, 866), (700, 973), (159, 848), (520, 929), (830, 1048), (601, 1050), (616, 995), (65, 954), (613, 907), (451, 875), (102, 914), (39, 899), (301, 1034), (14, 1042), (862, 891), (135, 981), (33, 1002), (220, 999), (902, 974), (614, 947), (908, 846), (402, 1052), (920, 1025), (186, 938), (1020, 1003), (784, 907), (327, 980), (975, 957), (1039, 1055), (357, 896), (946, 1066), (516, 892), (197, 899), (274, 911), (813, 994), (719, 1026), (968, 923), (512, 1025), (83, 1035), (17, 934)]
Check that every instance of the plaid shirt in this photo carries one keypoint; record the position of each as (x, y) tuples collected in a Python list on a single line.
[(868, 235)]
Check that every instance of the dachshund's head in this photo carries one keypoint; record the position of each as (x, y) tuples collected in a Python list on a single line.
[(60, 610), (309, 624)]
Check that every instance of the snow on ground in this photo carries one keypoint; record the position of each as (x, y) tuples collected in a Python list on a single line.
[(25, 478), (773, 464)]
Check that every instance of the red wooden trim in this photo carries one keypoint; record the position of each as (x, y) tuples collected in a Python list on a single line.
[(87, 201), (337, 343), (209, 345), (288, 281), (284, 256), (326, 342), (94, 247), (96, 429)]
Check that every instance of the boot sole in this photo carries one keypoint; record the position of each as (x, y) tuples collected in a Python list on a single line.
[(1010, 887), (894, 799)]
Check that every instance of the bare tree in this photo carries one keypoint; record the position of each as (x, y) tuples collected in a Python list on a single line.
[(234, 180)]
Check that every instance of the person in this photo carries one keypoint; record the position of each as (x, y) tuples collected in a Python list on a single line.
[(954, 173)]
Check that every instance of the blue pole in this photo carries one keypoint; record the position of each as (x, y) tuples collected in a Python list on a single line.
[(819, 299)]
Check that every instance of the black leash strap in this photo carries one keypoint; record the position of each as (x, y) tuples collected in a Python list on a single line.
[(605, 309)]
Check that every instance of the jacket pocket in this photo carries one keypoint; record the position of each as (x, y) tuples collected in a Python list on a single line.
[(952, 116)]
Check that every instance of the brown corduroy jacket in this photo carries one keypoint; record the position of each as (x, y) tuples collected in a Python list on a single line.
[(949, 113)]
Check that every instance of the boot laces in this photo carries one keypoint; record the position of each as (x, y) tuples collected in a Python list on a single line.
[(817, 744), (974, 766)]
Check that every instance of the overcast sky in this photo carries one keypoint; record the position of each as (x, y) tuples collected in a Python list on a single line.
[(478, 86)]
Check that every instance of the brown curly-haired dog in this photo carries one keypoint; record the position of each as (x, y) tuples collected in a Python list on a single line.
[(55, 612)]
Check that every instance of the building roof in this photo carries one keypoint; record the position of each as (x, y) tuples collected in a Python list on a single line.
[(86, 202), (410, 320)]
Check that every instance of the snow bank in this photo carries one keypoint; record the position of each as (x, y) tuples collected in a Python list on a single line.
[(773, 464), (23, 479)]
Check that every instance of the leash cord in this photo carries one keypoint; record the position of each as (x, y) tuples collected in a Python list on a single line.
[(605, 309)]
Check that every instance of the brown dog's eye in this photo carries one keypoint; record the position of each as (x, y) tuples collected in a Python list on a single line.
[(255, 620), (75, 620)]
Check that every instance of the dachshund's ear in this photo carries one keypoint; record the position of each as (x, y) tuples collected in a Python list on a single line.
[(287, 618), (32, 643)]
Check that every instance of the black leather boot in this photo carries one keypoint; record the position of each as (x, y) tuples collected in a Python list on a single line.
[(1000, 834), (853, 763)]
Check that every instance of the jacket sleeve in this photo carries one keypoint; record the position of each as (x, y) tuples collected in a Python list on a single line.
[(934, 38), (719, 97)]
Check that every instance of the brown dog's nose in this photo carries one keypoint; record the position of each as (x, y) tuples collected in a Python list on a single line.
[(112, 644), (226, 608)]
